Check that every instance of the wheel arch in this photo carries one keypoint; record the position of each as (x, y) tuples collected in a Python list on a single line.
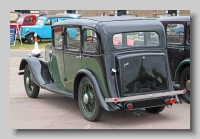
[(29, 33), (185, 63), (86, 72)]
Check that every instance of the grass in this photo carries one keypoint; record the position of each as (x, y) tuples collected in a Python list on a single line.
[(27, 46)]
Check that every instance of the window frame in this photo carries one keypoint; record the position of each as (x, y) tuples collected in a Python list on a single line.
[(141, 46), (65, 38), (98, 41), (53, 33), (172, 44)]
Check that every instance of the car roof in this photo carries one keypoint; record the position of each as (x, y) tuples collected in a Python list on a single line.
[(110, 25), (27, 15), (97, 19), (114, 18), (174, 18)]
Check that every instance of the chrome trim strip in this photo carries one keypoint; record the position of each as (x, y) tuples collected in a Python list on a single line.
[(155, 95)]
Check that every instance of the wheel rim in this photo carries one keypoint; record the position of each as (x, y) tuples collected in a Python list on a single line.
[(28, 81), (31, 39), (187, 83), (88, 99)]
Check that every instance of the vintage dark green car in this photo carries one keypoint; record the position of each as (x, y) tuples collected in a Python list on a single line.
[(113, 63)]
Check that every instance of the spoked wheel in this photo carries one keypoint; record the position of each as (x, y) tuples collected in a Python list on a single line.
[(32, 90), (90, 110), (185, 83), (155, 109)]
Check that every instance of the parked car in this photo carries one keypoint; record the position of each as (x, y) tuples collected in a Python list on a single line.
[(102, 75), (24, 20), (178, 47), (43, 28)]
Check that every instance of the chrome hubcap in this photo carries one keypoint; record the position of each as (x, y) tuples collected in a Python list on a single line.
[(27, 80), (187, 84), (85, 98)]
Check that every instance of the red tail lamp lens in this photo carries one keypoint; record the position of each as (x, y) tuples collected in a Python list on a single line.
[(129, 106), (115, 99), (172, 100)]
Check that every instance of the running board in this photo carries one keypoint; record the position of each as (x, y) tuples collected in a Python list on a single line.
[(53, 88), (140, 97)]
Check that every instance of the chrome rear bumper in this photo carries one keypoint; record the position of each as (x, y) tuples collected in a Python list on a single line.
[(140, 97)]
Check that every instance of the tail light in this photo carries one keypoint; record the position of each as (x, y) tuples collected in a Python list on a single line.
[(129, 106), (169, 101)]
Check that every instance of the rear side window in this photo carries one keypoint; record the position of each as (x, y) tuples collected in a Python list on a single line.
[(135, 39), (90, 40), (58, 37), (175, 34)]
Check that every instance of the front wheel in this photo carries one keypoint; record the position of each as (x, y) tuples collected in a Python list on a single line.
[(30, 39), (32, 90), (185, 83), (155, 109), (87, 100)]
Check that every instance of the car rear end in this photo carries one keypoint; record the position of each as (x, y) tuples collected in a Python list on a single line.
[(140, 70)]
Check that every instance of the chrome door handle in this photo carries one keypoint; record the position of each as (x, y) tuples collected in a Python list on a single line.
[(182, 49)]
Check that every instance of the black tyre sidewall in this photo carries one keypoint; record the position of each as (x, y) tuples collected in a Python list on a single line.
[(98, 110), (183, 74), (29, 39), (36, 88)]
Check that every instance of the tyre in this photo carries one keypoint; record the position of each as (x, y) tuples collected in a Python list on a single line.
[(184, 83), (30, 39), (32, 90), (87, 100), (155, 109)]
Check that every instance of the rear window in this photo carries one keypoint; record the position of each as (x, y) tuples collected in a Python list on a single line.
[(136, 39)]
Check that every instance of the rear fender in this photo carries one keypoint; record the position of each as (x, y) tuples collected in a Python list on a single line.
[(99, 93)]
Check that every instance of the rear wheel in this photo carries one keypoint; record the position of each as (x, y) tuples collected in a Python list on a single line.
[(185, 83), (32, 90), (89, 108), (155, 109)]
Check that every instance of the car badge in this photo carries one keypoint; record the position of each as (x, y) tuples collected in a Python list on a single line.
[(126, 64)]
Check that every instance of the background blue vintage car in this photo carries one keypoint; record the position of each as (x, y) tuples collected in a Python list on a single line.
[(43, 27)]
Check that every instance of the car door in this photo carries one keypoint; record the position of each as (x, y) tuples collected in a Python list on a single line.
[(175, 32), (57, 63), (72, 55), (47, 28)]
